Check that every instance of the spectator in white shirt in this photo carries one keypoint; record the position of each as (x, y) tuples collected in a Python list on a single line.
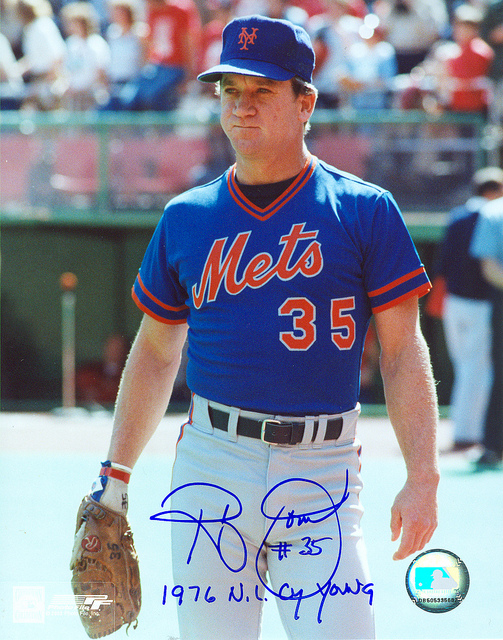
[(332, 33), (370, 67), (126, 37), (43, 52), (11, 81), (412, 27), (87, 58)]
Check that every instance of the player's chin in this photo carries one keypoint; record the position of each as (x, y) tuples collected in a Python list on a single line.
[(246, 145)]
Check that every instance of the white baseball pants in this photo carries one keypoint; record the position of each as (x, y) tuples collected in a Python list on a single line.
[(468, 335), (253, 521)]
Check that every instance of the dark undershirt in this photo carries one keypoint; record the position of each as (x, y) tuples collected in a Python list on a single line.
[(262, 195)]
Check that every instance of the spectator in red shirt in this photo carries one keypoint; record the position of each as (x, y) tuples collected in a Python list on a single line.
[(467, 64), (454, 76), (174, 27), (173, 54)]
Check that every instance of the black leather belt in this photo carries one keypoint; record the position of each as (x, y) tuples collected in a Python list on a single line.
[(273, 431)]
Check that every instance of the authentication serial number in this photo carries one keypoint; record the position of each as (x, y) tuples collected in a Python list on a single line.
[(426, 600)]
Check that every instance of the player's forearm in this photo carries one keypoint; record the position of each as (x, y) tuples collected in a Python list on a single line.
[(141, 403), (412, 408), (143, 397)]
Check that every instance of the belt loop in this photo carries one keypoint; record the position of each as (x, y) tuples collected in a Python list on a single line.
[(320, 434), (232, 425), (200, 414), (308, 432)]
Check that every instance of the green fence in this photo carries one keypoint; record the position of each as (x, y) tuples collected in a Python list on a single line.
[(108, 163)]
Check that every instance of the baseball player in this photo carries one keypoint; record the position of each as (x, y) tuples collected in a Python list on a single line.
[(274, 270)]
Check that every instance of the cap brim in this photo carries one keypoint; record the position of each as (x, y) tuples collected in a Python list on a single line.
[(247, 68)]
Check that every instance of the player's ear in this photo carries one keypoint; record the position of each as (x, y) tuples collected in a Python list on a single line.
[(307, 102)]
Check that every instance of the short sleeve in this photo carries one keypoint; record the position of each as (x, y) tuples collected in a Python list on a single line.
[(393, 269), (156, 290)]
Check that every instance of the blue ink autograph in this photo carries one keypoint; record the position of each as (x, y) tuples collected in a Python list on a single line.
[(286, 519), (225, 521)]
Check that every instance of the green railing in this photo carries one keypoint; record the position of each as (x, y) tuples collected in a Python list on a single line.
[(425, 161)]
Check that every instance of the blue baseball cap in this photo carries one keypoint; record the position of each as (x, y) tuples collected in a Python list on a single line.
[(260, 46)]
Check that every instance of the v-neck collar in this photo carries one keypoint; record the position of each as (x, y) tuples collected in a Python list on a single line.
[(270, 210)]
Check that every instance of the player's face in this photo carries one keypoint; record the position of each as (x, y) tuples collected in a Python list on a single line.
[(261, 117)]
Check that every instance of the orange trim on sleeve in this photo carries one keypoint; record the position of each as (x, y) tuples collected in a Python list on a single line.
[(419, 292), (395, 283), (156, 300), (153, 315)]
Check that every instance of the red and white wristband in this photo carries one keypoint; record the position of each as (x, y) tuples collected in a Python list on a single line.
[(116, 470)]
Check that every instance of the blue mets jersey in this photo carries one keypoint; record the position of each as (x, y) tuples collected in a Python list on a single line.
[(278, 300)]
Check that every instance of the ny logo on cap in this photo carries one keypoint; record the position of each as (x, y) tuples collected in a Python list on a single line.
[(246, 38)]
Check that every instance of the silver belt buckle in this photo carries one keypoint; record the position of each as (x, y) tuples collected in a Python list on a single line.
[(263, 428)]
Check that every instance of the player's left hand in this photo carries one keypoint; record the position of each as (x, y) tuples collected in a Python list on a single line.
[(414, 514), (104, 563)]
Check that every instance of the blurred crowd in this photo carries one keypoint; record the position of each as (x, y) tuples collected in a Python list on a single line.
[(144, 55)]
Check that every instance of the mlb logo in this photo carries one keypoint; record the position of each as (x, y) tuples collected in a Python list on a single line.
[(433, 578), (423, 577)]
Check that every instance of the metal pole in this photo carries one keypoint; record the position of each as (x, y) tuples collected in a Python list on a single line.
[(68, 282)]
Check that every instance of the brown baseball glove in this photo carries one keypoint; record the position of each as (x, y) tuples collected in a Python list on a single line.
[(106, 575)]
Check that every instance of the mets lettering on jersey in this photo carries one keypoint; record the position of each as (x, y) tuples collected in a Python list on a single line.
[(260, 269), (278, 300)]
